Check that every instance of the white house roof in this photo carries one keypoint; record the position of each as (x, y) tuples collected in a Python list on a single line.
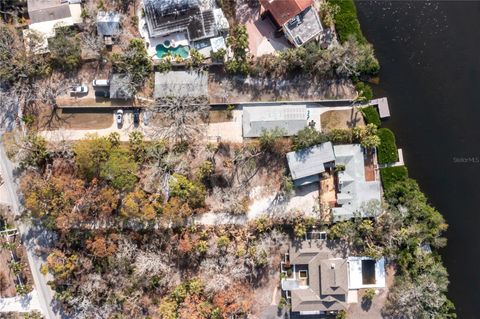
[(310, 161), (289, 117), (354, 192)]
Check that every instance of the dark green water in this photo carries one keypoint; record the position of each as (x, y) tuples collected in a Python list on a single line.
[(430, 58)]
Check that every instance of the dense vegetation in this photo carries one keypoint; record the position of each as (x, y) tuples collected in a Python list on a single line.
[(387, 150), (363, 135), (346, 21), (392, 175), (371, 115)]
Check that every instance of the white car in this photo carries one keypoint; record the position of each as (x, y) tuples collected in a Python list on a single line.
[(77, 89), (101, 82), (119, 117)]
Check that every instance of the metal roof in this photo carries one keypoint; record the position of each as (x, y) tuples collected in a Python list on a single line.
[(310, 161), (108, 23), (354, 191), (290, 118), (181, 83)]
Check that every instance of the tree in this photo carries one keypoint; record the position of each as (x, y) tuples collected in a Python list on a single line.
[(16, 64), (65, 49), (137, 204), (90, 153), (137, 145), (120, 171), (29, 150), (327, 12), (269, 138), (134, 62), (101, 247), (238, 42), (168, 308), (183, 114), (187, 191), (308, 137)]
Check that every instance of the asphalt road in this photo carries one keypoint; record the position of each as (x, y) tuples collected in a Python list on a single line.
[(45, 293)]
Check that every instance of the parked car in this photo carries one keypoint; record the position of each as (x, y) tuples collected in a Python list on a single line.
[(119, 117), (136, 116), (101, 82), (102, 93), (77, 89)]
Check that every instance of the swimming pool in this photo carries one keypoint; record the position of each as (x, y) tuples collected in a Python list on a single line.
[(181, 50)]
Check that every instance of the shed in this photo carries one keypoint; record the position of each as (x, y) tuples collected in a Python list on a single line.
[(108, 24)]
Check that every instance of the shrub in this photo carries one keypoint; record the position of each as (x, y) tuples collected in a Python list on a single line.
[(391, 175), (269, 138), (187, 191), (370, 115), (369, 294), (346, 21), (364, 90), (387, 150)]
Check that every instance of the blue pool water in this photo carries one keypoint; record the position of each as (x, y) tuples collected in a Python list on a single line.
[(181, 50)]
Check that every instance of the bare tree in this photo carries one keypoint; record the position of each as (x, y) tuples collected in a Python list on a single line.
[(183, 114)]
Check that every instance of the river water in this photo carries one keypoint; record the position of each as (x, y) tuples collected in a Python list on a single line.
[(430, 58)]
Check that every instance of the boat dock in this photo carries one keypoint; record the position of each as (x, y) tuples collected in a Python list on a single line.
[(382, 104)]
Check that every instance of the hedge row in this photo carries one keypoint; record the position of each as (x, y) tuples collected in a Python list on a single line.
[(387, 150), (346, 21), (370, 115), (392, 175)]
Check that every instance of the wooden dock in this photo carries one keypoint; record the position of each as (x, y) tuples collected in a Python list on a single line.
[(382, 104)]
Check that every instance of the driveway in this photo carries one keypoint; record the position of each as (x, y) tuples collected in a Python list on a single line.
[(261, 33)]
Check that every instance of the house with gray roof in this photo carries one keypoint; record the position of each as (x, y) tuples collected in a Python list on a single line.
[(307, 164), (108, 25), (355, 195), (181, 84), (318, 283), (290, 118)]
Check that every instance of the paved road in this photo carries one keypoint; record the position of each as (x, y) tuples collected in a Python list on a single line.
[(45, 294)]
